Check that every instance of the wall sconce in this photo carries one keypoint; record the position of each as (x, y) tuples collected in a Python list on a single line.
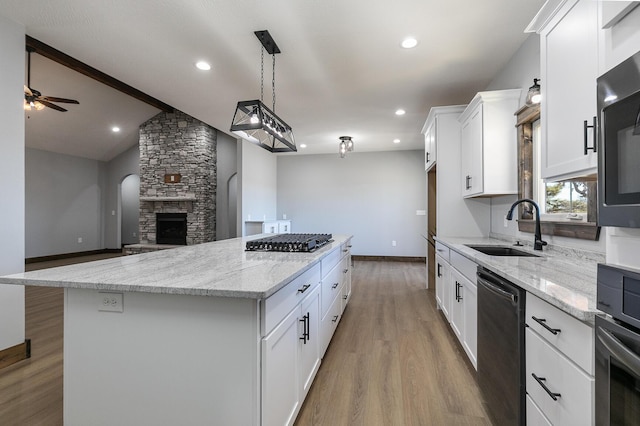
[(346, 145), (533, 95)]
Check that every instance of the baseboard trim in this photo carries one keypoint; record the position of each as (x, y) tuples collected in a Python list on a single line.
[(390, 258), (15, 353), (68, 255)]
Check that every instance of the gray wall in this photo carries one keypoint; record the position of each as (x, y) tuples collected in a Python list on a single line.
[(64, 198), (372, 195), (130, 211), (12, 59), (258, 183), (519, 72), (119, 168), (227, 167)]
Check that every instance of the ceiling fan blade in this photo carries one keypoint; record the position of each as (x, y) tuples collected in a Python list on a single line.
[(50, 105), (63, 100), (27, 91)]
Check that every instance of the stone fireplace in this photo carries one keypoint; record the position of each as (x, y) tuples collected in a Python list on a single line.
[(177, 177)]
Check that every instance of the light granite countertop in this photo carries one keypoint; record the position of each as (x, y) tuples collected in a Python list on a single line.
[(220, 268), (565, 281)]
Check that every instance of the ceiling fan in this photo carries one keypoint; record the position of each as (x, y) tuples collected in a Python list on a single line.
[(33, 99)]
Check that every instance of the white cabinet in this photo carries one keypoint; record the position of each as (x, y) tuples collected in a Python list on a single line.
[(488, 144), (284, 226), (569, 68), (429, 131), (253, 227), (290, 347), (443, 285), (559, 366), (619, 32), (457, 296)]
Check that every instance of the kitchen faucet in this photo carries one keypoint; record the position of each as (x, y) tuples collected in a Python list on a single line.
[(537, 242)]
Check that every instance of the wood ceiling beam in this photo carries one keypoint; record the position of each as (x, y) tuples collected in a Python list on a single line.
[(66, 60)]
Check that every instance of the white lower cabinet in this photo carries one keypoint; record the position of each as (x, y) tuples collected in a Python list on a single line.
[(559, 366), (457, 296), (443, 286), (290, 360)]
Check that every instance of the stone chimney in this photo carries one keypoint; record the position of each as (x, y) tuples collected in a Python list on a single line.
[(178, 165)]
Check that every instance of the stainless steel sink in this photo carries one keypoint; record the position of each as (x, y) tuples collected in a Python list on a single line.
[(501, 251)]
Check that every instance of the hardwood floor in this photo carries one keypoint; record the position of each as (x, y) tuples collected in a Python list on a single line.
[(393, 360)]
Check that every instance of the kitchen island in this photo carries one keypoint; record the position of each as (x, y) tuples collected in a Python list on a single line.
[(203, 334)]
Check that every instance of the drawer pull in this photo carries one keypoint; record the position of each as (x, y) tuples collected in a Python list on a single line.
[(344, 271), (439, 273), (305, 328), (304, 288), (458, 297), (335, 318), (542, 322), (553, 395), (345, 297), (335, 285)]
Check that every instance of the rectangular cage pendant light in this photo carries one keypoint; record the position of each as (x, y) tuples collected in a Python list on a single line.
[(255, 122)]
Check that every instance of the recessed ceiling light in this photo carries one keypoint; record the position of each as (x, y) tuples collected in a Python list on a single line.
[(303, 145), (115, 129), (396, 141), (409, 43), (400, 112), (202, 65)]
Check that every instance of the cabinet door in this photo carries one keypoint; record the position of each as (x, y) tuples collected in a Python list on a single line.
[(443, 286), (457, 303), (309, 345), (284, 227), (280, 383), (346, 277), (569, 67), (471, 154), (470, 304), (430, 146)]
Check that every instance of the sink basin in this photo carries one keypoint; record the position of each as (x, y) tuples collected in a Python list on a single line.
[(501, 251)]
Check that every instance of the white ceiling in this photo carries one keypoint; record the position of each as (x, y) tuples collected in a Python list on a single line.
[(341, 72)]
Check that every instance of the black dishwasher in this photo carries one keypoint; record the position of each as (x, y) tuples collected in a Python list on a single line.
[(501, 368)]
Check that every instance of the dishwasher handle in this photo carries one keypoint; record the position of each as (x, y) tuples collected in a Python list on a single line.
[(482, 280)]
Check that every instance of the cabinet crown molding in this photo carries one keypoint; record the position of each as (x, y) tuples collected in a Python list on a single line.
[(435, 111), (545, 14), (489, 96)]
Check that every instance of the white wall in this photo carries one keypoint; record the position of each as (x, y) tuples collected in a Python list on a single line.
[(519, 72), (258, 184), (12, 249), (372, 195), (64, 199)]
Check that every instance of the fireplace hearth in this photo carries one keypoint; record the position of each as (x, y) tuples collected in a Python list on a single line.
[(171, 228)]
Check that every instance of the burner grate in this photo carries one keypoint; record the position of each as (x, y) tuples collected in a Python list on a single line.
[(290, 242)]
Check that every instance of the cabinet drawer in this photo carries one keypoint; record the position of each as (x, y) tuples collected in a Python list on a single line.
[(442, 251), (329, 324), (330, 261), (278, 305), (345, 248), (534, 415), (574, 338), (574, 405), (331, 288), (467, 267)]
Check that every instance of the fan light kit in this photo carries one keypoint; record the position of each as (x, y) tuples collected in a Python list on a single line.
[(255, 122), (346, 145), (33, 99)]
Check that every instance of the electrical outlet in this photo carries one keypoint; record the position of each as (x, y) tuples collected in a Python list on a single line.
[(79, 240), (110, 302), (393, 243), (284, 216), (134, 234)]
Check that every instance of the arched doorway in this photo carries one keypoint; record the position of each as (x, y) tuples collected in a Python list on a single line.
[(129, 210)]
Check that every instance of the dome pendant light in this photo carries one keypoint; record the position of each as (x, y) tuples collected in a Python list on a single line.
[(255, 122), (533, 95)]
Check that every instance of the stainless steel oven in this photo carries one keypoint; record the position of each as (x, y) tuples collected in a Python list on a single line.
[(617, 346), (619, 145)]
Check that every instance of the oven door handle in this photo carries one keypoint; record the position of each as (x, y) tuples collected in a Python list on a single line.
[(618, 349)]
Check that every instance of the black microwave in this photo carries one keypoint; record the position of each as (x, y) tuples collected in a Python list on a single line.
[(619, 145)]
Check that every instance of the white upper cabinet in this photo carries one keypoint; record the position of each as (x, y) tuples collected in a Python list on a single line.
[(619, 32), (489, 144), (569, 68), (429, 131)]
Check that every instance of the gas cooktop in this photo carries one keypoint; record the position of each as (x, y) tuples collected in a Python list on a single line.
[(290, 242)]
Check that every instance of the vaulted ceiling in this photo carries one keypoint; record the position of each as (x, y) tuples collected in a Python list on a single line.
[(341, 71)]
